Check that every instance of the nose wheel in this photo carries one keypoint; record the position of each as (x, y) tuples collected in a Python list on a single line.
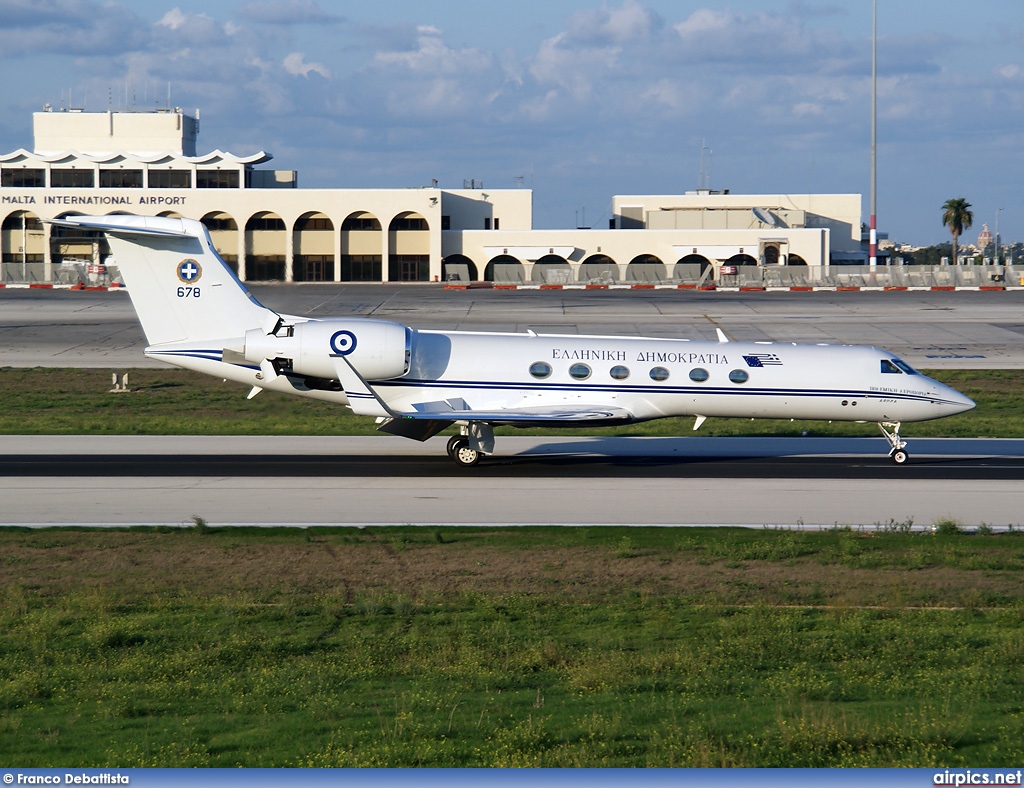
[(461, 452), (897, 446)]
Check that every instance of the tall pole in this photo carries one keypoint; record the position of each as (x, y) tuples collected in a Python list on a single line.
[(874, 132), (997, 236)]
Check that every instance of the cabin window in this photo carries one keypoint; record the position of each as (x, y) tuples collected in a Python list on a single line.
[(889, 368), (540, 369), (659, 373), (619, 372), (739, 376), (579, 371), (699, 375)]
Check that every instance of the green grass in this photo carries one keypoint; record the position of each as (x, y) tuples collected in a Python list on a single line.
[(172, 401), (510, 647)]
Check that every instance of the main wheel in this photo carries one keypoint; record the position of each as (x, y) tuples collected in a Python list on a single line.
[(453, 443), (899, 457), (464, 455)]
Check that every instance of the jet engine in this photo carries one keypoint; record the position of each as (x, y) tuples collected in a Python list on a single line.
[(377, 349)]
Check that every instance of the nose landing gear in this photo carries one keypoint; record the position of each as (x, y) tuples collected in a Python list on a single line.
[(897, 446)]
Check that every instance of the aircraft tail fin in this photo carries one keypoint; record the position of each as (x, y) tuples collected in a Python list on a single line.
[(181, 289)]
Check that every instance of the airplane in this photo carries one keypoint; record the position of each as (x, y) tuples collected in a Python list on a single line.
[(197, 314)]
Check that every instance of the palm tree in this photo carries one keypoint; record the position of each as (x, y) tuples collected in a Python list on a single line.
[(957, 217)]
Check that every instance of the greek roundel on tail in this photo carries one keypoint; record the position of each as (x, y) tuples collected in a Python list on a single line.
[(197, 314)]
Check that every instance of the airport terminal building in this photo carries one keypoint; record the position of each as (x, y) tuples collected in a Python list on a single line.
[(269, 229)]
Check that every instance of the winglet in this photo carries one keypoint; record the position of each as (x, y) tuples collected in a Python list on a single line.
[(721, 335)]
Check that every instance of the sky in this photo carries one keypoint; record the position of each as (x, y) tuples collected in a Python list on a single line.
[(579, 100)]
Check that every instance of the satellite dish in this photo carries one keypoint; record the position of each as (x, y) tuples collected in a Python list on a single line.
[(764, 217)]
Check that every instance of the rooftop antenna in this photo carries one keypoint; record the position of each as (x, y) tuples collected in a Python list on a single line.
[(704, 179)]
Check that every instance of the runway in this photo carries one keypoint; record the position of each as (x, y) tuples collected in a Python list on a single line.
[(792, 482)]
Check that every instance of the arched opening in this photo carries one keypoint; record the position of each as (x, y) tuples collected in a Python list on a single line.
[(646, 268), (169, 214), (691, 268), (458, 268), (361, 245), (23, 245), (505, 270), (409, 248), (795, 259), (265, 245), (741, 259), (772, 254), (551, 269), (598, 269), (313, 248), (224, 233)]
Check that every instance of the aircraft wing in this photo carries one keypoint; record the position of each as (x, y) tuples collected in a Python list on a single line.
[(429, 418)]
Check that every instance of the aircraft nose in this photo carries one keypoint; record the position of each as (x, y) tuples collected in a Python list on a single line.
[(954, 402)]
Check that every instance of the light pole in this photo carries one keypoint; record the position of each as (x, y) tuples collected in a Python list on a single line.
[(997, 236), (873, 231)]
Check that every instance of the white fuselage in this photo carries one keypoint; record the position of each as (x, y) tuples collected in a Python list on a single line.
[(649, 378)]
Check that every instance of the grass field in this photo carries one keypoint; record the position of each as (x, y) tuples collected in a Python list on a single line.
[(173, 401), (510, 647)]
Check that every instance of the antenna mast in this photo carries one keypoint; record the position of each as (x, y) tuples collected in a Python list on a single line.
[(704, 178)]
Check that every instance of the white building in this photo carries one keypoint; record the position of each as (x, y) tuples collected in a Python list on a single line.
[(268, 229)]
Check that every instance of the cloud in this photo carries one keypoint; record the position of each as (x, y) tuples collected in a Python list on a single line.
[(432, 55), (175, 19), (195, 29), (295, 64), (287, 12), (777, 42), (431, 79), (632, 21), (66, 27)]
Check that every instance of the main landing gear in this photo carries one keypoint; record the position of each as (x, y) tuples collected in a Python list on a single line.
[(897, 446), (460, 451), (475, 439)]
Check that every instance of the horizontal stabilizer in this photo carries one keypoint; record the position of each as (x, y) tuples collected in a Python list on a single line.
[(120, 225)]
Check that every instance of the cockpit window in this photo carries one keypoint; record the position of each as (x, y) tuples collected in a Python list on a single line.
[(894, 366)]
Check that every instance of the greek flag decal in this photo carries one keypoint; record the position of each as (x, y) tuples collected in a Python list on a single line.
[(763, 360)]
